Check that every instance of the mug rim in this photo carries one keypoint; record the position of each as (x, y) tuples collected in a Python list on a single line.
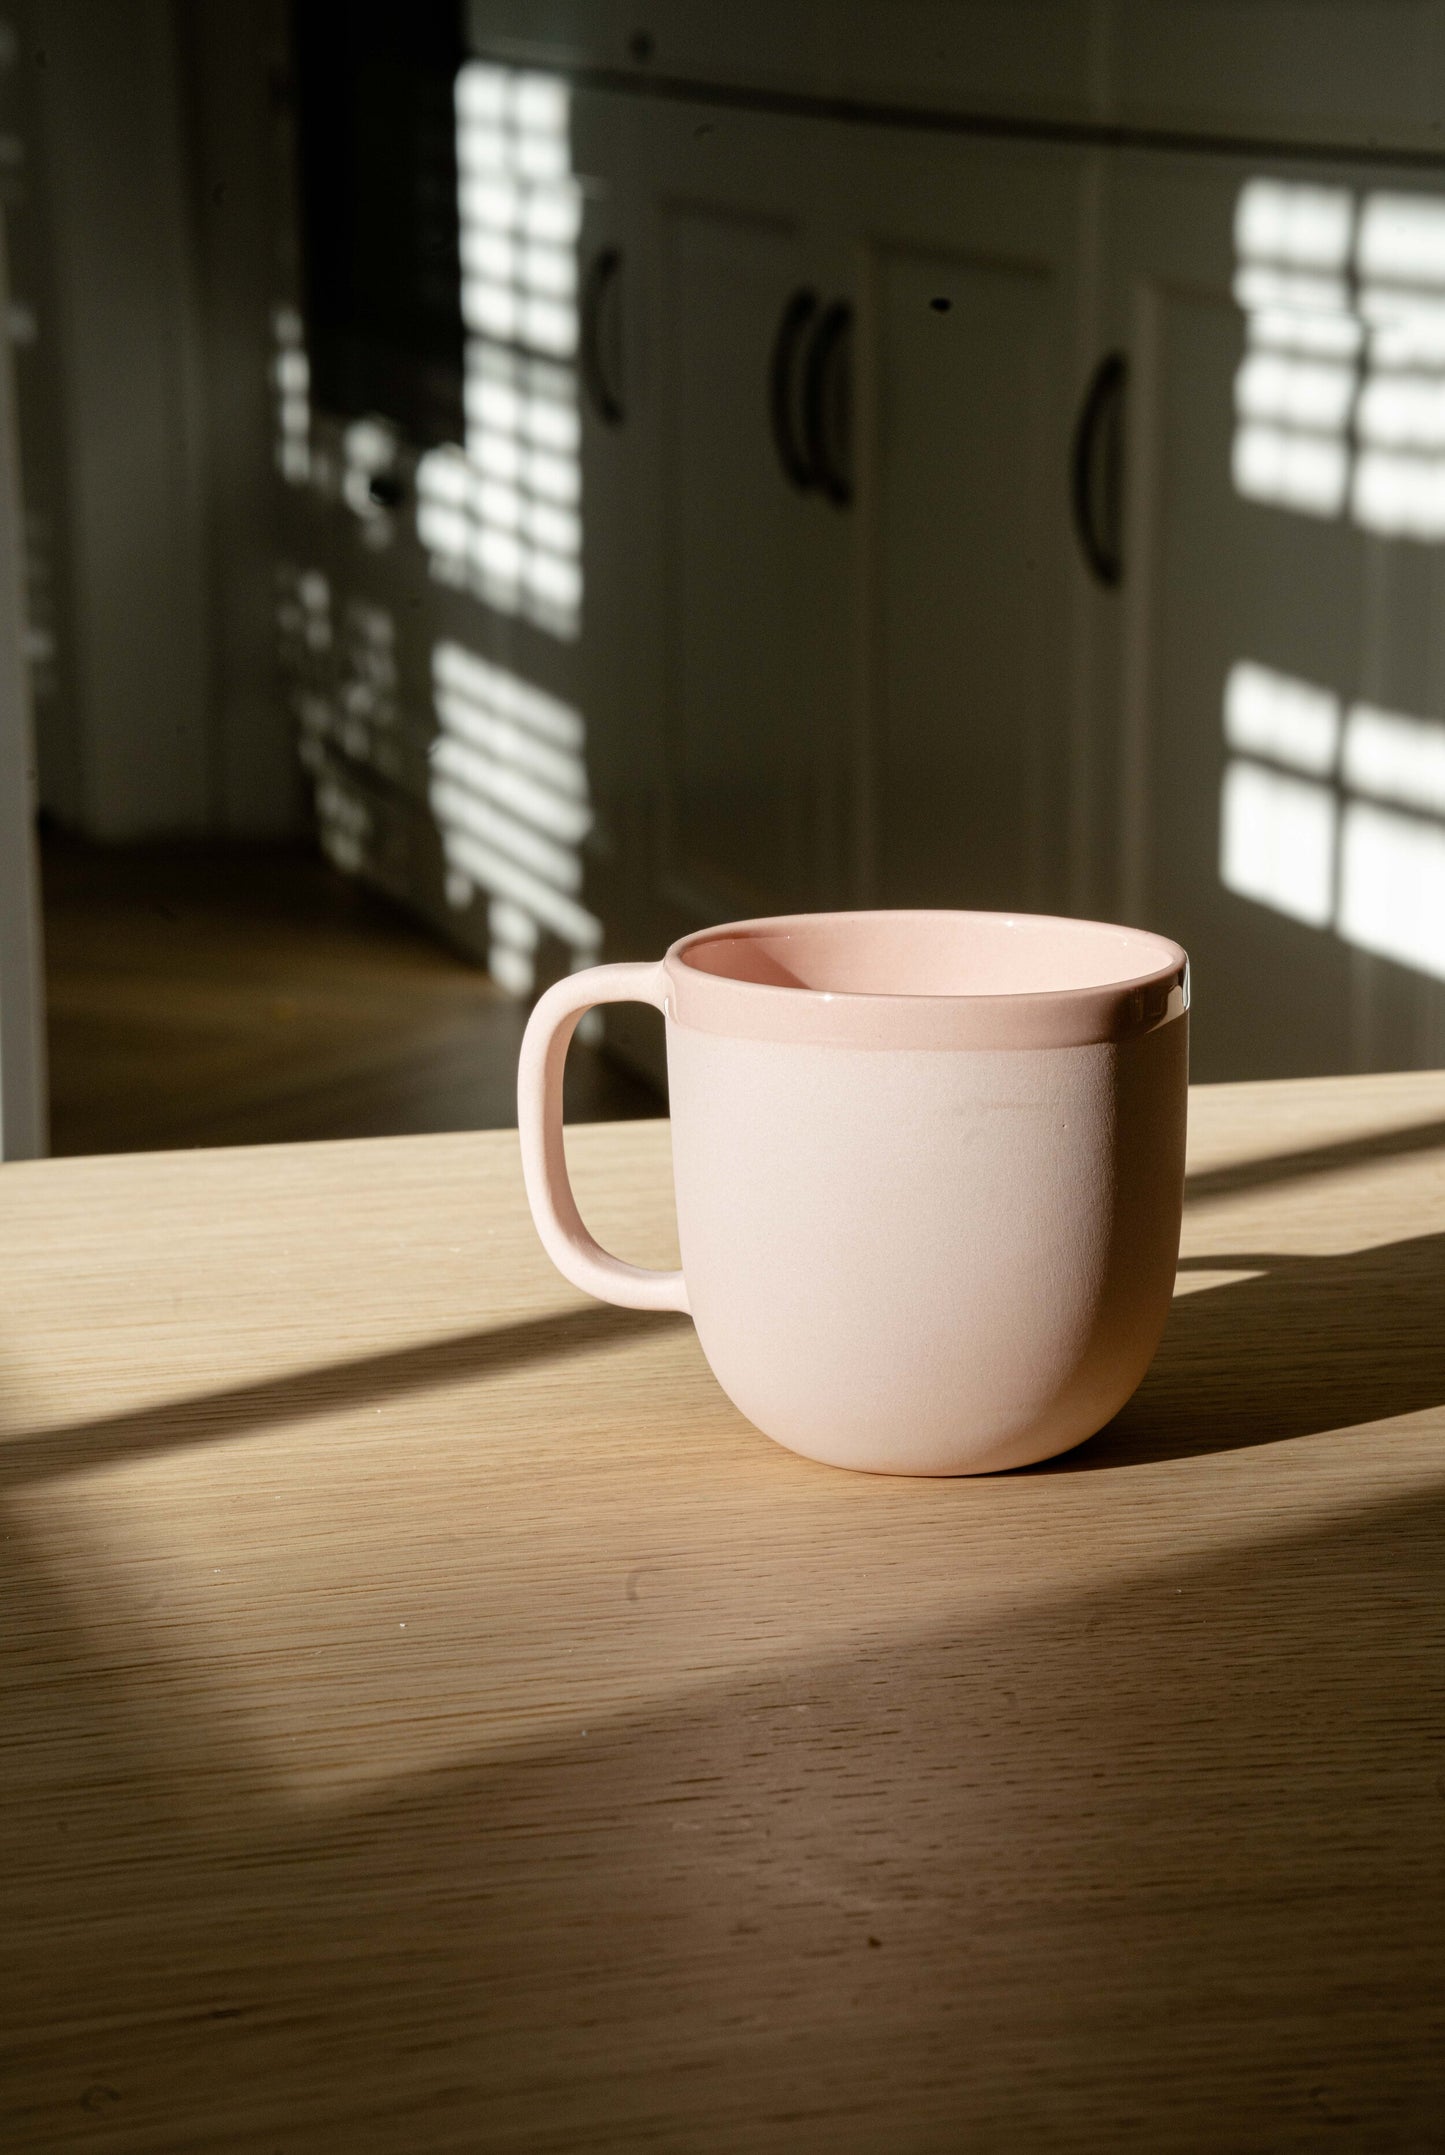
[(1093, 1014)]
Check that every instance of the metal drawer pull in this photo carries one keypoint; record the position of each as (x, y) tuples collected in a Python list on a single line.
[(1099, 452), (782, 388), (827, 401), (602, 274)]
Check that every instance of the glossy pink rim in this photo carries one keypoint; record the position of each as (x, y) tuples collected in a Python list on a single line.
[(1152, 992)]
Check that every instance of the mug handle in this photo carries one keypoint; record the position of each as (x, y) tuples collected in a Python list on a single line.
[(544, 1160)]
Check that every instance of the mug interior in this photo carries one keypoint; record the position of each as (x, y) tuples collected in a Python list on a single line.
[(928, 954)]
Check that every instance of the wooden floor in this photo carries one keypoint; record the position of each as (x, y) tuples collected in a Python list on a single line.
[(242, 995)]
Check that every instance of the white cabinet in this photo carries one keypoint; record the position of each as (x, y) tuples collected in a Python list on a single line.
[(918, 694), (851, 411), (1279, 663), (858, 364)]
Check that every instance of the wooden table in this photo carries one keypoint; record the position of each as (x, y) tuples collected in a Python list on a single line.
[(434, 1720)]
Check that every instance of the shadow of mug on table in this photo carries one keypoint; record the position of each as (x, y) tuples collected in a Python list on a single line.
[(1300, 1346)]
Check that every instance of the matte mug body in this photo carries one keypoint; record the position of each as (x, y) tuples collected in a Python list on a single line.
[(924, 1261)]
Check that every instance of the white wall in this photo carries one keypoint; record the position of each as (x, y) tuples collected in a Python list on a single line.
[(109, 156), (146, 222)]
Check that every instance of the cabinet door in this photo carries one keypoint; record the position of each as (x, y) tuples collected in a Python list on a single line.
[(1281, 671), (748, 733), (975, 264)]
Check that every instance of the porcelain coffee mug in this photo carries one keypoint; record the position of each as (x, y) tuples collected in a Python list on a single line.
[(929, 1169)]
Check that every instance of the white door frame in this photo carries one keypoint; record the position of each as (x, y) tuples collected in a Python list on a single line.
[(23, 1116)]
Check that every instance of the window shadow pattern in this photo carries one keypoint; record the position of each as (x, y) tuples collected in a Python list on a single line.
[(1333, 810), (428, 603), (500, 513), (366, 1380), (1340, 397), (1336, 816)]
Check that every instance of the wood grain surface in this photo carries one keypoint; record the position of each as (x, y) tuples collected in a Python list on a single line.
[(434, 1720)]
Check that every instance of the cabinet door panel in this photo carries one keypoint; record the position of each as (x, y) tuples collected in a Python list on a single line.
[(964, 396), (740, 807), (977, 613)]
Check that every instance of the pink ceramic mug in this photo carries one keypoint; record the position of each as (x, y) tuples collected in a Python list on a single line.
[(928, 1166)]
